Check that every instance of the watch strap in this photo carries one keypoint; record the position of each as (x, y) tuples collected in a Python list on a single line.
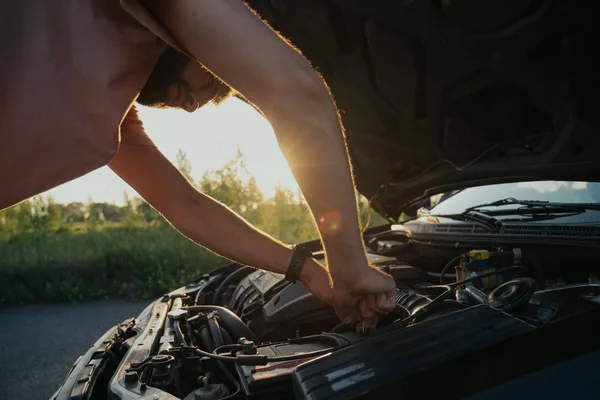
[(299, 256)]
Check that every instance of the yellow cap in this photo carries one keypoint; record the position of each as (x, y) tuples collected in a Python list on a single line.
[(479, 255)]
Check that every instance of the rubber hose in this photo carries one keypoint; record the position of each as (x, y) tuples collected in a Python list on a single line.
[(239, 274), (215, 331), (231, 322), (206, 339), (226, 336), (179, 333), (451, 264)]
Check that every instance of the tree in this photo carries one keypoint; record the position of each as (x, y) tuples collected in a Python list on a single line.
[(364, 210), (227, 186), (147, 213), (73, 212), (110, 212), (286, 217), (183, 165)]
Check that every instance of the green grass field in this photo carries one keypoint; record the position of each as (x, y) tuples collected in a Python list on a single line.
[(114, 262)]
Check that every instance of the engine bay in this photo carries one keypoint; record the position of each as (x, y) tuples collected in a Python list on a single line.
[(249, 334)]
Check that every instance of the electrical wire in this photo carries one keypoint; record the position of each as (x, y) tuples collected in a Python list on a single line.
[(301, 356), (455, 284), (228, 375), (451, 264), (202, 353), (257, 359), (227, 348)]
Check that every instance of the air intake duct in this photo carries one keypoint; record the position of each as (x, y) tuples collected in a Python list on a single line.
[(410, 301)]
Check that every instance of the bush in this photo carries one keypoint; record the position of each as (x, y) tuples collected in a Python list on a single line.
[(121, 262)]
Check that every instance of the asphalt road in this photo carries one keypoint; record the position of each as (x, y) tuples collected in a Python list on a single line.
[(39, 343)]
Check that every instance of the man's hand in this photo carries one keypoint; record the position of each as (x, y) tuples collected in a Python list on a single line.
[(353, 297), (363, 296)]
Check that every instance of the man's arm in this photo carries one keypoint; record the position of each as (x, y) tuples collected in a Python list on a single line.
[(205, 220), (231, 41)]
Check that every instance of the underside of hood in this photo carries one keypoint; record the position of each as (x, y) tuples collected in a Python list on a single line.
[(442, 94)]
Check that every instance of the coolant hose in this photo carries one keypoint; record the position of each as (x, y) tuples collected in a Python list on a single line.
[(226, 337), (231, 322), (215, 329), (206, 339), (236, 275)]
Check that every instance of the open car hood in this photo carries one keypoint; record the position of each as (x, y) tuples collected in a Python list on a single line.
[(440, 95)]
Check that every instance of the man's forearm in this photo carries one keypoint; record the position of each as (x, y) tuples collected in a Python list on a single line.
[(215, 226), (317, 155)]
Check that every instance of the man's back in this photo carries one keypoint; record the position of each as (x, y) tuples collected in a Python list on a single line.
[(70, 72)]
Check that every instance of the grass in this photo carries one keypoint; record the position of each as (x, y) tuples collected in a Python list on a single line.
[(114, 262)]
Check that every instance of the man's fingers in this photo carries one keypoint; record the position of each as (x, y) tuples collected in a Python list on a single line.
[(365, 311), (386, 301), (346, 319), (381, 303), (346, 307), (375, 304)]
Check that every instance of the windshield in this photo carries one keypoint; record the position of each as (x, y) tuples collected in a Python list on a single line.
[(554, 191)]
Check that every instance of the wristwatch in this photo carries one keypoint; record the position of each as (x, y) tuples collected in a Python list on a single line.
[(299, 256)]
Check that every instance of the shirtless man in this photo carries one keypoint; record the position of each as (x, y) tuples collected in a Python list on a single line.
[(71, 70)]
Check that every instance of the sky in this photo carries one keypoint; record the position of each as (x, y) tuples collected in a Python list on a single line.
[(210, 137)]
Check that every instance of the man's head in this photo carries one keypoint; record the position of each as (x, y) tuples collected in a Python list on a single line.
[(180, 82)]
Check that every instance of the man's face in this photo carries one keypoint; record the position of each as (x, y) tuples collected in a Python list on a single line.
[(196, 87)]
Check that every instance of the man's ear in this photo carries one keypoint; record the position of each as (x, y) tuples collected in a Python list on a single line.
[(176, 95), (190, 103)]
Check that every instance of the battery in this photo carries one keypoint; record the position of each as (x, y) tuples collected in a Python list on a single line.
[(274, 380)]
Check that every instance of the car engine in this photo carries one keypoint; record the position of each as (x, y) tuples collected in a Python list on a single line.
[(249, 334)]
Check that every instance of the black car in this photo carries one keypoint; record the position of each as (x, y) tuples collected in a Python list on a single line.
[(490, 105)]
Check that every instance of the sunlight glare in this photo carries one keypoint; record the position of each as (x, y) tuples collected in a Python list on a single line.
[(210, 137)]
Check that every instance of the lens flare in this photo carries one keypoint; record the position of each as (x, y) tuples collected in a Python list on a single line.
[(330, 223)]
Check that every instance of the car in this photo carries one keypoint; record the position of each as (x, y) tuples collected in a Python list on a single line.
[(472, 127)]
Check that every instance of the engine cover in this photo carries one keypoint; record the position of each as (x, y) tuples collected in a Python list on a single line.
[(254, 290), (397, 362), (266, 298)]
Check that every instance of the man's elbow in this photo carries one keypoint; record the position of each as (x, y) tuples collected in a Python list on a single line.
[(301, 100)]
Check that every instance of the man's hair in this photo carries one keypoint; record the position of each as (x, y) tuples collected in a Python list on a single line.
[(167, 70)]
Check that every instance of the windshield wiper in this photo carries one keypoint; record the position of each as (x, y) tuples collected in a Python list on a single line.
[(533, 207), (470, 215), (529, 207)]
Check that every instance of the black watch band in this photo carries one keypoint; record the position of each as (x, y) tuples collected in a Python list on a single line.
[(299, 256)]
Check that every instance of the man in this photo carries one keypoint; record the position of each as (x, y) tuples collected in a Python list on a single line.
[(71, 70)]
